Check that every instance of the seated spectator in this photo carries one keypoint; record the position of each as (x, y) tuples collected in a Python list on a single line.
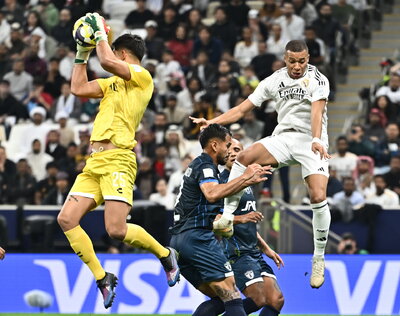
[(392, 90), (61, 32), (58, 195), (358, 143), (276, 42), (138, 17), (375, 130), (65, 132), (49, 14), (237, 11), (43, 187), (38, 129), (194, 23), (181, 47), (305, 10), (38, 97), (168, 23), (154, 44), (174, 114), (20, 81), (8, 172), (67, 103), (224, 29), (178, 146), (343, 162), (253, 127), (54, 79), (225, 70), (4, 27), (38, 160), (205, 108), (5, 60), (246, 49), (348, 246), (163, 165), (16, 44), (258, 28), (186, 98), (9, 105), (34, 32), (363, 175), (13, 11), (68, 163), (316, 48), (206, 42), (225, 97), (34, 65), (269, 12), (163, 196), (392, 178), (262, 63), (175, 179), (22, 188), (383, 196), (84, 147), (202, 69), (388, 108), (387, 148), (53, 146), (334, 185), (146, 177), (248, 78), (239, 133), (165, 69), (292, 25), (345, 201)]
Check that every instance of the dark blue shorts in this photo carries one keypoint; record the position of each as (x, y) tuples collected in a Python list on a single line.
[(249, 269), (201, 257)]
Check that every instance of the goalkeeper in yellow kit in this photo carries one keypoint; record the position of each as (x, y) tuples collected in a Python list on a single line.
[(110, 171)]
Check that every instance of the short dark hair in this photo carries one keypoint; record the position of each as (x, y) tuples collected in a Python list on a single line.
[(134, 43), (341, 137), (213, 131), (296, 46)]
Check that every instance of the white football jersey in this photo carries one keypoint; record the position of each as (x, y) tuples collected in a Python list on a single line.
[(293, 99)]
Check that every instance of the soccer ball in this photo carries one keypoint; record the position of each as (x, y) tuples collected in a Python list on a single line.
[(83, 33)]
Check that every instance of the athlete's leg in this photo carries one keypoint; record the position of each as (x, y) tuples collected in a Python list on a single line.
[(75, 207), (212, 307), (227, 291), (256, 153), (317, 184), (115, 214)]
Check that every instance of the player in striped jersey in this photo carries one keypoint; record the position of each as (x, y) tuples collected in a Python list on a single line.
[(301, 93)]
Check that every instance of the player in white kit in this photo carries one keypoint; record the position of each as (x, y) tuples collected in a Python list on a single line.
[(301, 93)]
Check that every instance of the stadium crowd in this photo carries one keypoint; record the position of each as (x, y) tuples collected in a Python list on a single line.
[(203, 63)]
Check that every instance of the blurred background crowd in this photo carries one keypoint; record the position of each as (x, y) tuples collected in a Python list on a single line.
[(205, 57)]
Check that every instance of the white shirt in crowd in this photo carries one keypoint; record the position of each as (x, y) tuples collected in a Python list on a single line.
[(293, 99), (293, 30), (168, 200), (277, 47), (38, 164), (386, 199), (394, 96), (244, 54), (345, 165)]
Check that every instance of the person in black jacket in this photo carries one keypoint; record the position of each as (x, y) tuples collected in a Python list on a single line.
[(59, 193)]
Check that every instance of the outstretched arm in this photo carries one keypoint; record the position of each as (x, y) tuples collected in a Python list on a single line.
[(231, 116)]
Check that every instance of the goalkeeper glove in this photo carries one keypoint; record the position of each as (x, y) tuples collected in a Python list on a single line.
[(96, 21), (82, 54)]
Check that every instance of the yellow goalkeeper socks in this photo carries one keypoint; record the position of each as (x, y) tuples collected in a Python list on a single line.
[(83, 247), (138, 237)]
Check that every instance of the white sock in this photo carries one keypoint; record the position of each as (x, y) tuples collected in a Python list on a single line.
[(320, 221), (231, 202)]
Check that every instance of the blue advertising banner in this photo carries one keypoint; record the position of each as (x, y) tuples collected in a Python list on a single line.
[(354, 284)]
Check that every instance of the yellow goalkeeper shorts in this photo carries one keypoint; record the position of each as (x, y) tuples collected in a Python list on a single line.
[(108, 175)]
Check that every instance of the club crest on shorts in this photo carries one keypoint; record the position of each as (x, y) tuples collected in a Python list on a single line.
[(228, 266), (249, 274)]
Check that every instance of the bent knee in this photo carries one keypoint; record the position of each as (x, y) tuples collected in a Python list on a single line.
[(66, 222), (276, 301), (318, 197), (116, 232)]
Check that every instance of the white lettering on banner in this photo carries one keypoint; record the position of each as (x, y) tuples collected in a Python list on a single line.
[(352, 303), (390, 284), (174, 301), (145, 292), (68, 301), (112, 266)]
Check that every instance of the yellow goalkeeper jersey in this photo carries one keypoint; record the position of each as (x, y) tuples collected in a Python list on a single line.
[(122, 107)]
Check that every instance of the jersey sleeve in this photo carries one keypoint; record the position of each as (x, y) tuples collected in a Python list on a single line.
[(140, 76), (104, 83), (320, 89), (262, 92), (207, 173)]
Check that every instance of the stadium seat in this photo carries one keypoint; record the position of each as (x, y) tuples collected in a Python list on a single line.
[(106, 7), (256, 5), (211, 8), (38, 232), (120, 10), (117, 26)]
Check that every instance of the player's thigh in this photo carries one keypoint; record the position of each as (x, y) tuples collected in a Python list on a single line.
[(257, 153), (201, 257), (118, 175), (225, 288)]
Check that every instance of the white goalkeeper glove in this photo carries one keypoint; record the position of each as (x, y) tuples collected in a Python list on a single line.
[(82, 54)]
